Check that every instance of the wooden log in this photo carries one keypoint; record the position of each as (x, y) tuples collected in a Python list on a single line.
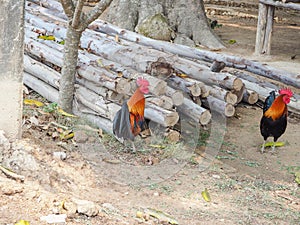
[(85, 113), (41, 71), (93, 101), (194, 111), (196, 53), (239, 94), (289, 5), (219, 106), (222, 94), (47, 4), (162, 101), (172, 135), (100, 90), (161, 116), (44, 89), (94, 73), (175, 95), (189, 87), (250, 97)]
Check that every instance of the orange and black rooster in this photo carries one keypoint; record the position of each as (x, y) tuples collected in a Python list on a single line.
[(129, 121), (274, 120)]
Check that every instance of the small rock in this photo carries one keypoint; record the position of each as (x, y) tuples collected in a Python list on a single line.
[(109, 208), (60, 155), (86, 207), (80, 136), (71, 208), (156, 194), (21, 160), (216, 176), (53, 218), (156, 27)]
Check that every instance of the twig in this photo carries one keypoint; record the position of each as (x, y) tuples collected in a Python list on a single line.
[(11, 174)]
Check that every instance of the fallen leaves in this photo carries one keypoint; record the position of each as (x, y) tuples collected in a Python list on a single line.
[(22, 222), (206, 195), (33, 102), (49, 117)]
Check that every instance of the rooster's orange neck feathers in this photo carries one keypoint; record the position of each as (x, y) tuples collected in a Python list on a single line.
[(277, 109)]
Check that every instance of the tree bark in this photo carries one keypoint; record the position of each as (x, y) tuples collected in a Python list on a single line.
[(68, 71), (185, 17)]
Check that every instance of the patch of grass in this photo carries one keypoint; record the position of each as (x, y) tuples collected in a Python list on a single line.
[(226, 185), (220, 157), (203, 137), (291, 169), (251, 163)]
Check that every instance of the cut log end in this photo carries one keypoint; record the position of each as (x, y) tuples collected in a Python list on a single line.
[(172, 135), (250, 97), (237, 84), (231, 98), (123, 86), (229, 110), (159, 88), (205, 118), (175, 95), (239, 94), (195, 90), (172, 119)]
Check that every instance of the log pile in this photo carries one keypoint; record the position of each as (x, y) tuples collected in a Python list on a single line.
[(110, 60)]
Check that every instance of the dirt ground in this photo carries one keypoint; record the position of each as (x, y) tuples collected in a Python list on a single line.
[(245, 186)]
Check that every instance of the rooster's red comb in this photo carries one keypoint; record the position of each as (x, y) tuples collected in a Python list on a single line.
[(142, 82), (286, 91)]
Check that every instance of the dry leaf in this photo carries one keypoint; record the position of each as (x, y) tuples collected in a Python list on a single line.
[(182, 75), (33, 102), (47, 37), (62, 112), (206, 195), (66, 135), (23, 222)]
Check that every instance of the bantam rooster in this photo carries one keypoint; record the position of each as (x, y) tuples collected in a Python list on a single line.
[(129, 121), (274, 120)]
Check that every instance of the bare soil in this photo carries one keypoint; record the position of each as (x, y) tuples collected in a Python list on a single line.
[(245, 186)]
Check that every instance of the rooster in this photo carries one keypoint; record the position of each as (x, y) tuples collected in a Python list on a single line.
[(129, 121), (274, 120)]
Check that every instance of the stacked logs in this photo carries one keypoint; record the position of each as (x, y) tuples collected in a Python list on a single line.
[(108, 67)]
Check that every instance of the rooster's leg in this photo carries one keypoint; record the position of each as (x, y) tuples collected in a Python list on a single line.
[(273, 147), (133, 147), (263, 147)]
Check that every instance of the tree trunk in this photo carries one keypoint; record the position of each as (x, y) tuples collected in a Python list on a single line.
[(183, 21), (68, 71)]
